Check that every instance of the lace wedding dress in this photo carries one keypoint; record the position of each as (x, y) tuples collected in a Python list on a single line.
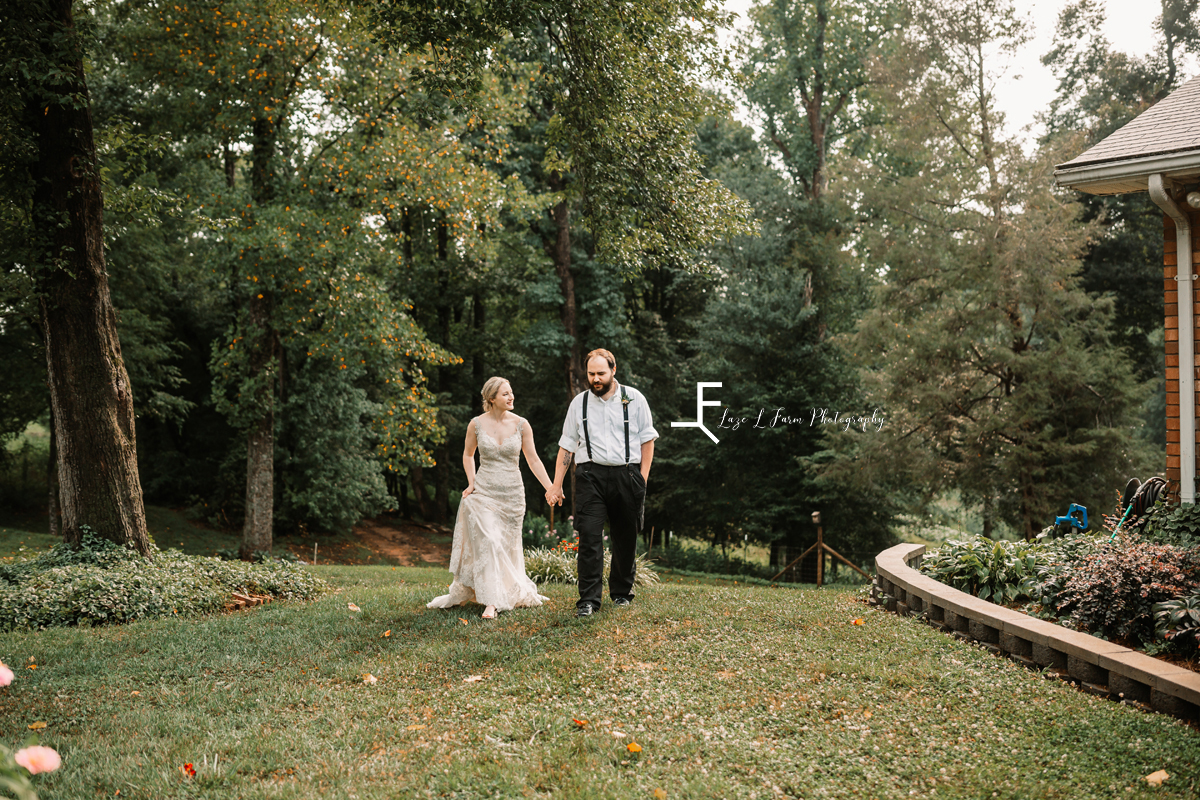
[(487, 559)]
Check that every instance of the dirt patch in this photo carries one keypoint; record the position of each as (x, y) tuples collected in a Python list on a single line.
[(410, 544)]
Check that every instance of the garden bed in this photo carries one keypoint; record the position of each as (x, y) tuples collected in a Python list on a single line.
[(1100, 667)]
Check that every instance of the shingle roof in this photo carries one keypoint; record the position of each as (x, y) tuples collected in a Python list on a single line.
[(1170, 126)]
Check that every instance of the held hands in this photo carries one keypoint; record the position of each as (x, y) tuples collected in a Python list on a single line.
[(554, 496)]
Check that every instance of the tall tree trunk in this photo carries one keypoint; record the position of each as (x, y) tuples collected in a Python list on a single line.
[(424, 505), (258, 528), (90, 397), (560, 252), (52, 482), (479, 321)]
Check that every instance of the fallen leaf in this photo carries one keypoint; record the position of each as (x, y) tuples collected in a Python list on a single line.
[(580, 722), (867, 714), (37, 726), (633, 747), (353, 607), (188, 770), (386, 634), (32, 659), (1154, 778), (134, 694), (370, 679), (472, 679), (415, 728), (857, 621), (463, 621), (32, 666), (659, 794)]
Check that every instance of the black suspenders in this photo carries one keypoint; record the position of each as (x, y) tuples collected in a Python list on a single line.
[(587, 437)]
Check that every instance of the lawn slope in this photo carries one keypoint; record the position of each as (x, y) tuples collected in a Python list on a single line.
[(729, 691)]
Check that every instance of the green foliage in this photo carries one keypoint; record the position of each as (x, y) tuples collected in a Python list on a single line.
[(100, 582), (1173, 525), (624, 86), (1178, 621), (992, 570), (999, 372), (709, 560), (1055, 564), (561, 565), (536, 532)]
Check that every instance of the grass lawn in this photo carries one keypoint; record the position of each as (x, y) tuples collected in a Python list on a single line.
[(731, 691)]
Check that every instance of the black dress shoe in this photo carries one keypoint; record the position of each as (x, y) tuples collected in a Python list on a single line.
[(622, 602), (584, 611)]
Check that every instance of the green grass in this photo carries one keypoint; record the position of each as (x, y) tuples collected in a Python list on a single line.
[(732, 691)]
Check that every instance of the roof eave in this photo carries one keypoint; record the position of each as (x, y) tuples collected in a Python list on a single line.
[(1129, 175)]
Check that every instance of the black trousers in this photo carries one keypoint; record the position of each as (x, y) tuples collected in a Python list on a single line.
[(617, 494)]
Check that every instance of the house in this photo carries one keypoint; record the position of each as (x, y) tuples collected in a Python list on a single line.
[(1159, 152)]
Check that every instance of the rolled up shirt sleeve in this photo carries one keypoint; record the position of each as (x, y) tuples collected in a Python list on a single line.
[(571, 439), (646, 432)]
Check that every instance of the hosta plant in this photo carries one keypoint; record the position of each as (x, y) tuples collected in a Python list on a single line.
[(991, 570), (1178, 620), (559, 565)]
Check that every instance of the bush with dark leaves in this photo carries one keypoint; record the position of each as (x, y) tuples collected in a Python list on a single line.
[(1112, 591)]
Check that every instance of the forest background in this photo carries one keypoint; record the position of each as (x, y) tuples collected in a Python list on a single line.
[(323, 236)]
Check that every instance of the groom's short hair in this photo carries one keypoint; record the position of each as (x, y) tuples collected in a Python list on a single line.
[(607, 356)]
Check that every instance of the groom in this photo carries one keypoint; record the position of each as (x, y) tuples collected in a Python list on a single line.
[(609, 433)]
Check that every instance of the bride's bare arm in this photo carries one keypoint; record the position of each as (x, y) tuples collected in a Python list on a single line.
[(469, 458), (534, 460)]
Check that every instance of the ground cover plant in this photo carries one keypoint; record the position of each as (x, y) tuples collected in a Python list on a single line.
[(101, 582), (746, 692)]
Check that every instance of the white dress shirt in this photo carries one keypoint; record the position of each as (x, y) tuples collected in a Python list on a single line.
[(606, 427)]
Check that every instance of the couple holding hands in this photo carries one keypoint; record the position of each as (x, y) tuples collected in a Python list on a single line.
[(609, 432)]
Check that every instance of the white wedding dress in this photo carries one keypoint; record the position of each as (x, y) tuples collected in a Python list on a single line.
[(486, 559)]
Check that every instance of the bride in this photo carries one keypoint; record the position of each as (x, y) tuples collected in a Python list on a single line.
[(486, 558)]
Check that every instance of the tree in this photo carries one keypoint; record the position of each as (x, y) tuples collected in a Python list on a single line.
[(624, 95), (52, 187), (310, 173), (996, 370)]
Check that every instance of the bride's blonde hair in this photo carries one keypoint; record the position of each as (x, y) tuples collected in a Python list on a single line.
[(490, 390)]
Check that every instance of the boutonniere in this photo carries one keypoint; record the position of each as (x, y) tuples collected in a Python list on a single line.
[(624, 397)]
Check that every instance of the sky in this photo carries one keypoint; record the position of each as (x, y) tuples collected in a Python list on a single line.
[(1028, 87)]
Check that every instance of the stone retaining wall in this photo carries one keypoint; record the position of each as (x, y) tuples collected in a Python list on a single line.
[(1099, 667)]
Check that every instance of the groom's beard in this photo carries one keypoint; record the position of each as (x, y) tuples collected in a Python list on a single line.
[(600, 389)]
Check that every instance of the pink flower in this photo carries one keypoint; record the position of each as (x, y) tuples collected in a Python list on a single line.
[(6, 675), (38, 759)]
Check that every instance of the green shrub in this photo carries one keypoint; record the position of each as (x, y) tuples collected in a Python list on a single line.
[(559, 565), (536, 532), (102, 582), (992, 570), (1173, 525), (709, 560), (1056, 558)]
